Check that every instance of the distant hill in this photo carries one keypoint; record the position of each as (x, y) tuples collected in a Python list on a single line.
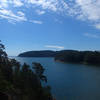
[(68, 56), (74, 56), (42, 53)]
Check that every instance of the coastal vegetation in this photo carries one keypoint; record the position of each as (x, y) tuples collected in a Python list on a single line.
[(42, 53), (68, 56), (20, 82), (74, 56)]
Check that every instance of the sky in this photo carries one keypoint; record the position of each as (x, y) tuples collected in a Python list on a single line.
[(27, 25)]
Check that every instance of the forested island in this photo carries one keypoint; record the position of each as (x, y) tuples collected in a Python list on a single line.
[(20, 82), (74, 56), (68, 56), (42, 53)]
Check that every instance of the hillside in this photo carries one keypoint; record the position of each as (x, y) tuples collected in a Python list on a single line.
[(42, 53), (74, 56), (21, 82)]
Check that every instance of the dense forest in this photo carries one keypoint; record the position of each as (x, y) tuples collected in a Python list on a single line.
[(74, 56), (42, 53), (19, 82)]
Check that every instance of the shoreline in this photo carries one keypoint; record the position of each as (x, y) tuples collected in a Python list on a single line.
[(83, 63)]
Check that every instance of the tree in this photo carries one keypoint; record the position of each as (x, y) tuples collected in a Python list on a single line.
[(3, 54), (19, 81), (39, 70)]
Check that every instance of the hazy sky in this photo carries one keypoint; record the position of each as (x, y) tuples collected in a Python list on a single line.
[(49, 24)]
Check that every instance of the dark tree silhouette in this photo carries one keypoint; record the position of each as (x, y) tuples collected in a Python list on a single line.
[(73, 56), (20, 82), (39, 70)]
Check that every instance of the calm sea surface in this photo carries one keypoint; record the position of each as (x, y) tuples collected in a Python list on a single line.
[(69, 81)]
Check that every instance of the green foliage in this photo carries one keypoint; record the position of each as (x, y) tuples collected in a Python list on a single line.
[(21, 81), (43, 53), (86, 57), (39, 70)]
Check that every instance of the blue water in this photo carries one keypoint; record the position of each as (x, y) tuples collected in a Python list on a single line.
[(70, 81)]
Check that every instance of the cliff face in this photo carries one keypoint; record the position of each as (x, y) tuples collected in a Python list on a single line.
[(45, 53)]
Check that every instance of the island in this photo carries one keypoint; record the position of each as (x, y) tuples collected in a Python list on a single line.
[(68, 56), (42, 53), (75, 56)]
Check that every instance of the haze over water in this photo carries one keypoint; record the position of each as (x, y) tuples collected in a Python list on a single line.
[(69, 81)]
